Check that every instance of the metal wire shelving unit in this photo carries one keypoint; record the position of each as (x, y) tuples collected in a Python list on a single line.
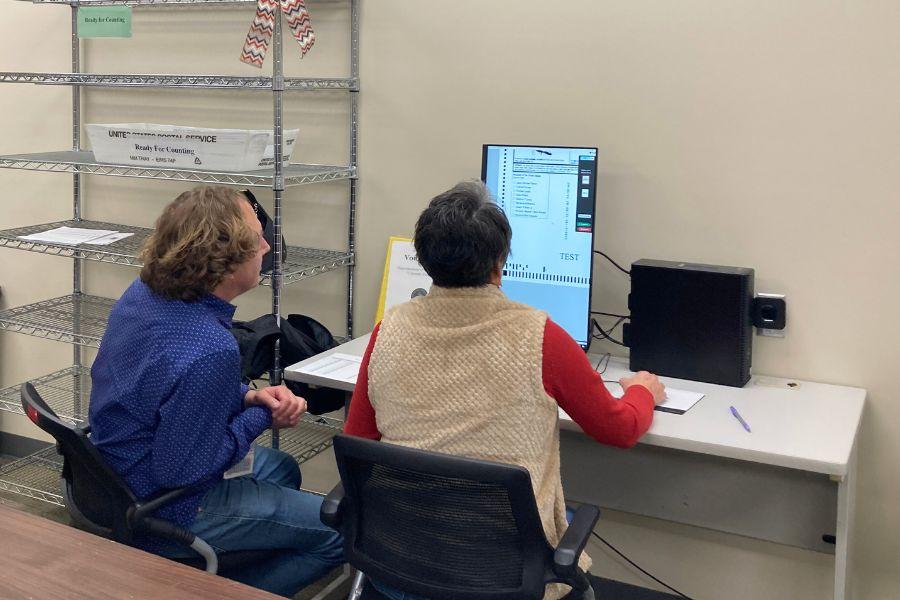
[(35, 476), (310, 438), (77, 318), (300, 263), (80, 319), (67, 392), (80, 162), (156, 80)]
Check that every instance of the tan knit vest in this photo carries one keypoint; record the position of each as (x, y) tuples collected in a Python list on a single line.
[(460, 372)]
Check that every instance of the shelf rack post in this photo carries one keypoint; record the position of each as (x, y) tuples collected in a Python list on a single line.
[(76, 205), (275, 375), (354, 149)]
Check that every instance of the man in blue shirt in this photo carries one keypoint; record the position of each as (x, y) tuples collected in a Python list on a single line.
[(168, 408)]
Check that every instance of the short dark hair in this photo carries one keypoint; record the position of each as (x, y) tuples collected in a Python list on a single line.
[(462, 236)]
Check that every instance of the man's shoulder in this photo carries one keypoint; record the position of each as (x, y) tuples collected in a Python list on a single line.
[(139, 302), (205, 335), (183, 328), (134, 294)]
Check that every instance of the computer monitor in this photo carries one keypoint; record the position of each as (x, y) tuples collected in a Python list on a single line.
[(548, 194)]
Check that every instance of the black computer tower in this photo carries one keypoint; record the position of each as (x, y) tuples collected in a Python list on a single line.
[(691, 321)]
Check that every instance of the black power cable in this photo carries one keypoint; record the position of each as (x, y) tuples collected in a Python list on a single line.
[(633, 564), (606, 334), (614, 263), (604, 360), (608, 314)]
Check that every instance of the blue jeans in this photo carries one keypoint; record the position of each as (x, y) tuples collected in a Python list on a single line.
[(395, 594), (266, 511)]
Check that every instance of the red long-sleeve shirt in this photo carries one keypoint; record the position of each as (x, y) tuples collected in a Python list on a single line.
[(568, 378)]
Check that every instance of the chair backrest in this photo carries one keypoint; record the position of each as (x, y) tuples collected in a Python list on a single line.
[(98, 493), (441, 526)]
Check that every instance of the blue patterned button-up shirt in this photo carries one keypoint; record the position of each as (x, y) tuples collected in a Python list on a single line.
[(167, 399)]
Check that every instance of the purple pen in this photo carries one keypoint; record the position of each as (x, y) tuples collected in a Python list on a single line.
[(738, 416)]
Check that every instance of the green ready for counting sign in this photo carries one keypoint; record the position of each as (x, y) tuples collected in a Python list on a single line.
[(104, 22)]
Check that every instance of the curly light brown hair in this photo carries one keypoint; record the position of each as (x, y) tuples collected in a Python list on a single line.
[(199, 239)]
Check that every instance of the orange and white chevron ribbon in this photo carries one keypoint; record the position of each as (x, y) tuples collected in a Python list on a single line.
[(257, 42)]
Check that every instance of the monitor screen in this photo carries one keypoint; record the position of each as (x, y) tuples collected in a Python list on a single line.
[(548, 195)]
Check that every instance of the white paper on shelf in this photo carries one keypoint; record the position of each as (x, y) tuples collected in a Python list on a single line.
[(71, 236), (289, 138), (340, 367), (106, 240)]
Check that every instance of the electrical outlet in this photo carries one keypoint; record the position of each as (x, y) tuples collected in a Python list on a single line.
[(768, 312), (779, 333)]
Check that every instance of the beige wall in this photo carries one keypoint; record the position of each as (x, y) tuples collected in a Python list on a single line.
[(760, 134)]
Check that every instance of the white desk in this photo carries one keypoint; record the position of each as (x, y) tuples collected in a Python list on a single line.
[(355, 347), (714, 474)]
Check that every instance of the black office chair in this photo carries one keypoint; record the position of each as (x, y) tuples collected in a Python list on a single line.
[(446, 527), (99, 501)]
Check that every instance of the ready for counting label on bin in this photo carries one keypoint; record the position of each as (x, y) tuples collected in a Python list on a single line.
[(104, 22)]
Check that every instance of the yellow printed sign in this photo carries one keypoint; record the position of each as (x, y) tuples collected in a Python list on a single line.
[(403, 278)]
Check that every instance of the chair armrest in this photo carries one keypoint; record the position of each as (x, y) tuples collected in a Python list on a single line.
[(330, 514), (565, 557), (166, 529), (144, 509)]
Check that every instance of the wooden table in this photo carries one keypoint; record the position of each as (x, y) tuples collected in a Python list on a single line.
[(47, 560)]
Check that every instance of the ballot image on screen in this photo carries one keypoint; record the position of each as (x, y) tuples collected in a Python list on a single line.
[(548, 196)]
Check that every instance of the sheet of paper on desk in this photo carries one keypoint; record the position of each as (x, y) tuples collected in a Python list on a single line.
[(342, 367), (677, 401)]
